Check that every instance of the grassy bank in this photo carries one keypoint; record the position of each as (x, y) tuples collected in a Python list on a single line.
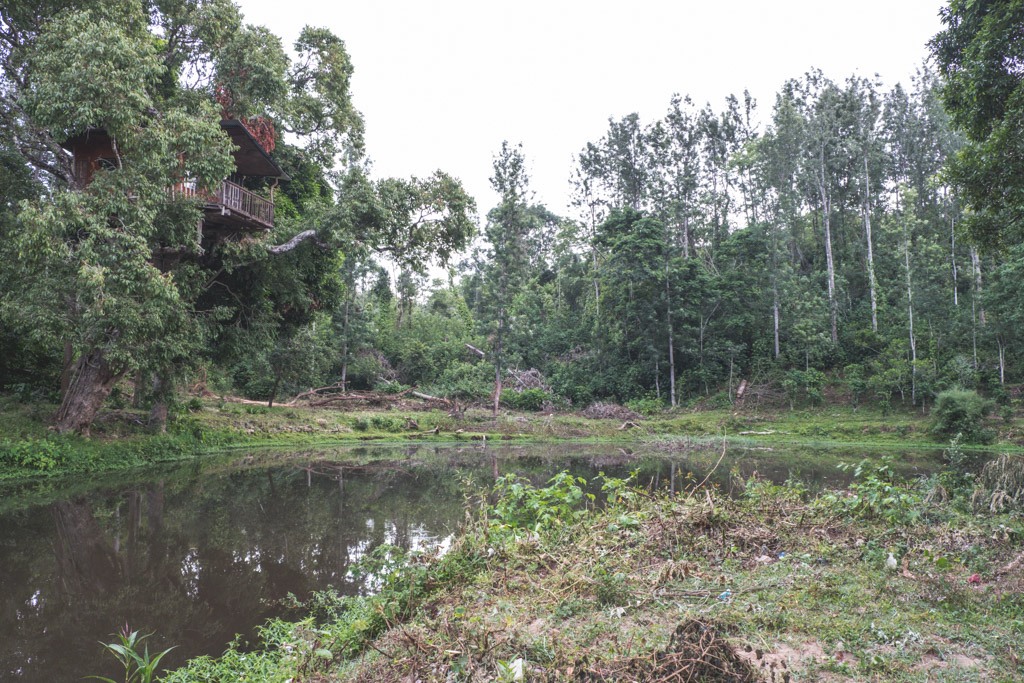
[(775, 585), (120, 439)]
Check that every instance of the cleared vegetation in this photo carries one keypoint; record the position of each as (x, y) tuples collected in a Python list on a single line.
[(874, 583)]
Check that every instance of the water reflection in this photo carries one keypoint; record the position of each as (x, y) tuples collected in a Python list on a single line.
[(208, 550), (198, 560)]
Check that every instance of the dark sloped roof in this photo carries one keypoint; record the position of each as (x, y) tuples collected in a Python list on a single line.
[(250, 157)]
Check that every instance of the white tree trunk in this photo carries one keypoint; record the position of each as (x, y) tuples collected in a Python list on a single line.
[(1002, 360), (826, 209), (976, 265), (910, 317), (952, 258), (871, 253), (775, 316)]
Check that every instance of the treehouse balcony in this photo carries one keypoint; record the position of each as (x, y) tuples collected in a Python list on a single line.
[(228, 207), (231, 205)]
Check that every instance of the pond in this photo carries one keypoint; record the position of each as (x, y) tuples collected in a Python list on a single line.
[(198, 553)]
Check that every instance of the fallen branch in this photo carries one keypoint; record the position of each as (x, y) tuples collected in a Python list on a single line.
[(244, 401), (369, 396), (314, 392), (428, 397)]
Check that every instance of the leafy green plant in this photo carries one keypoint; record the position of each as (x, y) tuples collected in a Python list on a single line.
[(804, 384), (959, 411), (611, 587), (877, 492), (391, 387), (139, 667), (385, 424), (521, 505), (43, 455), (956, 481), (856, 381), (527, 399), (646, 406), (510, 671)]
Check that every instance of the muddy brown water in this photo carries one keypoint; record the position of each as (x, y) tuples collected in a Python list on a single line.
[(200, 552)]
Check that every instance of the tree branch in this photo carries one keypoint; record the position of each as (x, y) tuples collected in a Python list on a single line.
[(296, 241)]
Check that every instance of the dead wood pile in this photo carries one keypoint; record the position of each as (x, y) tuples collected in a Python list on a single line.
[(698, 651), (521, 380), (610, 411)]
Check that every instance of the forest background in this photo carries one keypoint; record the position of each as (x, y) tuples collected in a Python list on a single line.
[(862, 240)]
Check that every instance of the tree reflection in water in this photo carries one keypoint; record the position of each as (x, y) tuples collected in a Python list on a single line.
[(199, 560)]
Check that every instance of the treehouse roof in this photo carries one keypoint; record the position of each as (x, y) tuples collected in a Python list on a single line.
[(250, 157)]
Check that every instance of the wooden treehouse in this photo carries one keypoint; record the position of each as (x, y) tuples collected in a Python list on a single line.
[(228, 208)]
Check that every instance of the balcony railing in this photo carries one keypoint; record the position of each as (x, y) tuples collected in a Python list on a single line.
[(234, 197)]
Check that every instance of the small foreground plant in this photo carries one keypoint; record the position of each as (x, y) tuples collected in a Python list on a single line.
[(877, 492), (138, 667)]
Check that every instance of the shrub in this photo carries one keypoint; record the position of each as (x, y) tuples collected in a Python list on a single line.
[(527, 399), (959, 411), (646, 406), (877, 492), (856, 381), (466, 381), (804, 384), (35, 454), (522, 506), (385, 424)]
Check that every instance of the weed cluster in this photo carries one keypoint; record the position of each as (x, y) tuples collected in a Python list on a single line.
[(42, 455), (877, 492)]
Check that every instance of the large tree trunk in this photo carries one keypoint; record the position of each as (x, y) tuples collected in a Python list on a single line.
[(67, 368), (162, 388), (976, 265), (952, 259), (90, 382), (977, 310), (1002, 360), (497, 376), (344, 351)]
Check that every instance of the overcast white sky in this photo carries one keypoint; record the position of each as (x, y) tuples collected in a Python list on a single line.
[(441, 83)]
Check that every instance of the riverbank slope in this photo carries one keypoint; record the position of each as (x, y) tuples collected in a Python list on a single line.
[(120, 439)]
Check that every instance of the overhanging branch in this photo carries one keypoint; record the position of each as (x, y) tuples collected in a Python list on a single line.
[(296, 241)]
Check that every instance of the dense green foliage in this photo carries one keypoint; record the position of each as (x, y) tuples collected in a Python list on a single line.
[(979, 53), (823, 252), (962, 412), (106, 278), (858, 243)]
